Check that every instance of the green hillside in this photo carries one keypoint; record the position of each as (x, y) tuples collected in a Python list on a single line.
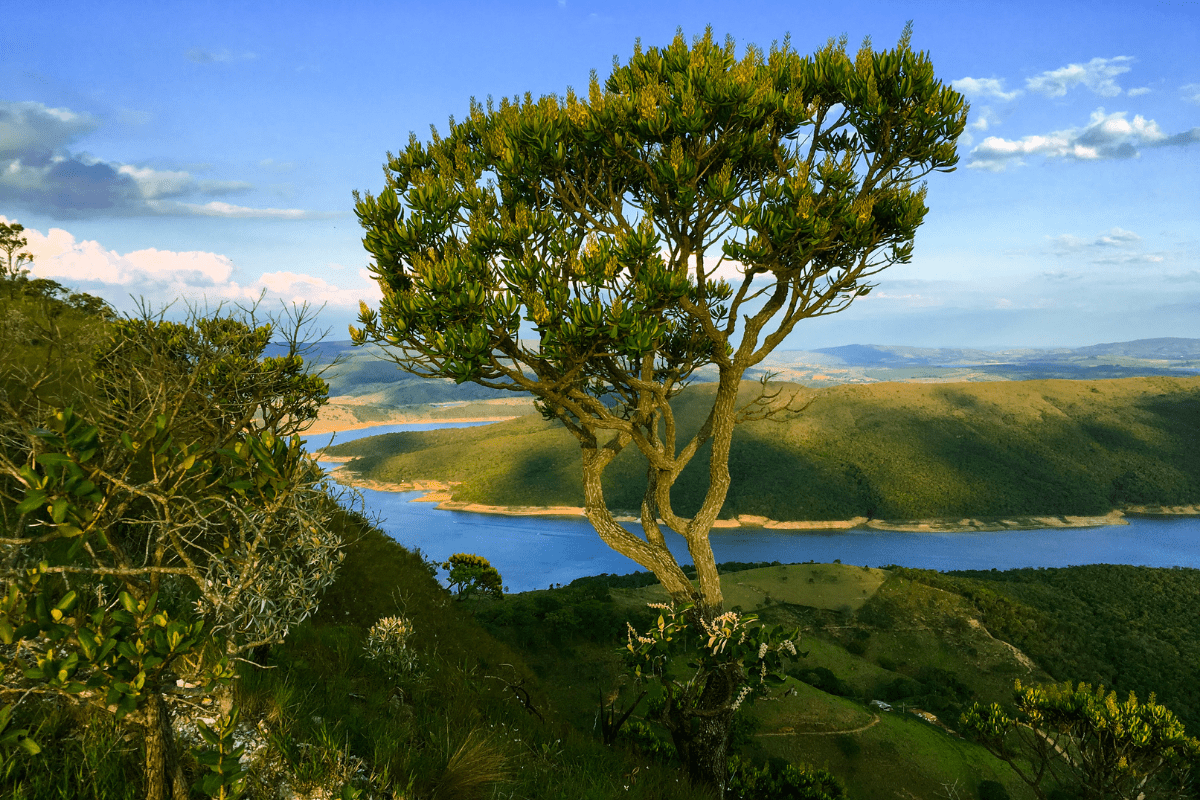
[(889, 451)]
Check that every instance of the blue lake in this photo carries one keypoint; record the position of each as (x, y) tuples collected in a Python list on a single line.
[(534, 552)]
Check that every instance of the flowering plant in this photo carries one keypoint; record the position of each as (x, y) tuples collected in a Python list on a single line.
[(750, 655), (387, 644)]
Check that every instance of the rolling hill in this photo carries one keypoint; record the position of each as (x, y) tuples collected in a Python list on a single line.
[(892, 451)]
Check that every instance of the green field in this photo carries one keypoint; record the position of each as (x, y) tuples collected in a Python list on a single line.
[(832, 587), (893, 451)]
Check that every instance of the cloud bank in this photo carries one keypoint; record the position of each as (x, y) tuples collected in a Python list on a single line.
[(164, 276), (39, 171)]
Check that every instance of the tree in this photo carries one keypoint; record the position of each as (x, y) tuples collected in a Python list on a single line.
[(565, 248), (159, 519), (13, 263), (1071, 736), (470, 573)]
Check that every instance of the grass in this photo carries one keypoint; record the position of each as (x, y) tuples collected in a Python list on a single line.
[(835, 587), (900, 757)]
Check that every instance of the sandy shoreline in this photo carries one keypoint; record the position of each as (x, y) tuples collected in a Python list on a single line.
[(326, 427), (442, 493)]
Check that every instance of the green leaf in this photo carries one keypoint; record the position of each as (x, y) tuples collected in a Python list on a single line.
[(53, 460), (58, 510), (126, 705), (33, 501), (127, 602), (67, 602)]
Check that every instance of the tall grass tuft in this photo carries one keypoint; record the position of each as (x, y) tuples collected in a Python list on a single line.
[(475, 767)]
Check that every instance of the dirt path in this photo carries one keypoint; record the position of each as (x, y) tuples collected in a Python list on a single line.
[(874, 721)]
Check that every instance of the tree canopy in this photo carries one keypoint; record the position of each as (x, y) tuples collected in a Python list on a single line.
[(596, 251)]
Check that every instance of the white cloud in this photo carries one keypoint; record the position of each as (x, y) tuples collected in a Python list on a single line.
[(1139, 91), (58, 255), (982, 119), (223, 187), (1106, 136), (1191, 92), (985, 87), (1120, 259), (217, 208), (163, 276), (158, 183), (33, 131), (292, 287), (1117, 237), (277, 166), (729, 270), (1117, 247), (1097, 75)]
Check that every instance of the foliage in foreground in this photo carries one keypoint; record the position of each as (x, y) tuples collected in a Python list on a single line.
[(1089, 741), (159, 516)]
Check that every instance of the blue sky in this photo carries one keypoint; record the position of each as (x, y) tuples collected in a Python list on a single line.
[(209, 150)]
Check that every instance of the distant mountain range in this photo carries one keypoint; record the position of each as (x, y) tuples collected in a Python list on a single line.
[(363, 372), (1184, 351)]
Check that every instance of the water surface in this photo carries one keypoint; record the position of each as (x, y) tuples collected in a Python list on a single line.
[(535, 552)]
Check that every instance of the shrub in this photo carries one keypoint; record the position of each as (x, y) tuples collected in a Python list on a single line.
[(993, 790), (848, 744), (780, 781), (387, 645)]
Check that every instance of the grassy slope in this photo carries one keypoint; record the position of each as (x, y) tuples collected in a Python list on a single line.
[(891, 451), (928, 638), (908, 641), (1132, 629)]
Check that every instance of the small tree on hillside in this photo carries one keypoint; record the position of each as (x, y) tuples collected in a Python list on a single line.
[(597, 222), (14, 259)]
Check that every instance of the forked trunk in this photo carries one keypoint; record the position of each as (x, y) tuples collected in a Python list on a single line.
[(164, 774)]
